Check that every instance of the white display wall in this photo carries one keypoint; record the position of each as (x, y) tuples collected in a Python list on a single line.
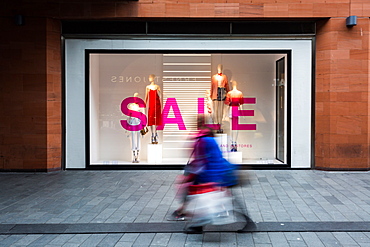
[(115, 76)]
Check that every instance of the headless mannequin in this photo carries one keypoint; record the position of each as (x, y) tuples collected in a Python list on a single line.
[(234, 98), (209, 103), (152, 100), (219, 88), (135, 135)]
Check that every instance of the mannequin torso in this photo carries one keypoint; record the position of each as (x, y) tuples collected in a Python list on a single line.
[(234, 98)]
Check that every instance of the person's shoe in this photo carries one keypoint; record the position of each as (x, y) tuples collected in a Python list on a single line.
[(176, 216), (194, 230)]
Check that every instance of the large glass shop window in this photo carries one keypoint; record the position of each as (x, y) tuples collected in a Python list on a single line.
[(143, 107)]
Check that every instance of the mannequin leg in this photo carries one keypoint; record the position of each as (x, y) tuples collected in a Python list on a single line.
[(221, 114), (137, 146), (231, 137), (133, 139), (138, 136), (218, 112), (153, 129), (234, 137), (156, 136), (215, 111)]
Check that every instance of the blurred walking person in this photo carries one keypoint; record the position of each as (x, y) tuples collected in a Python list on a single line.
[(211, 176), (206, 184)]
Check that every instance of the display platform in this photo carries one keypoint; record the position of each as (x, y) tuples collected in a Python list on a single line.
[(154, 155), (234, 157)]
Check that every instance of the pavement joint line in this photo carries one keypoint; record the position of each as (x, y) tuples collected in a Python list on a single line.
[(178, 227)]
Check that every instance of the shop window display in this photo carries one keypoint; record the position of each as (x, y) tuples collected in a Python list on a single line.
[(165, 92)]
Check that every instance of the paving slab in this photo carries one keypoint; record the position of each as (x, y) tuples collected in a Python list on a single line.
[(321, 207)]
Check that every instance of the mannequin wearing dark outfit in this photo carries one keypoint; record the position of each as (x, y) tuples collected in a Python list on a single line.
[(219, 89)]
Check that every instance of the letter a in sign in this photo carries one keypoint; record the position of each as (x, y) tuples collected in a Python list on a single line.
[(171, 102)]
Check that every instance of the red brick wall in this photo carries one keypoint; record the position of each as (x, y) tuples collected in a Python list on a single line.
[(95, 9), (342, 95), (54, 94), (30, 71), (23, 95)]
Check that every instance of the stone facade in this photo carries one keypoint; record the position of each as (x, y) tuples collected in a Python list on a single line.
[(31, 71)]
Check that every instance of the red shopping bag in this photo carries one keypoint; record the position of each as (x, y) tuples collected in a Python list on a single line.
[(196, 189)]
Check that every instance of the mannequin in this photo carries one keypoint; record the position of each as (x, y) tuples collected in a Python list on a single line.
[(153, 103), (219, 89), (209, 107), (234, 98), (135, 135)]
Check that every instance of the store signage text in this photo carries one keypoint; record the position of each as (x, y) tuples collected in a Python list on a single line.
[(143, 79), (177, 119), (239, 145)]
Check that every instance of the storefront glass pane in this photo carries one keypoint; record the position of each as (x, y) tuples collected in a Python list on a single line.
[(120, 105)]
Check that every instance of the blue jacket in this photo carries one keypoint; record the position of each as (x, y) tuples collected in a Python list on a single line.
[(210, 164)]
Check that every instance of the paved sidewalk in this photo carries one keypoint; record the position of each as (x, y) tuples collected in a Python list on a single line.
[(129, 208)]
